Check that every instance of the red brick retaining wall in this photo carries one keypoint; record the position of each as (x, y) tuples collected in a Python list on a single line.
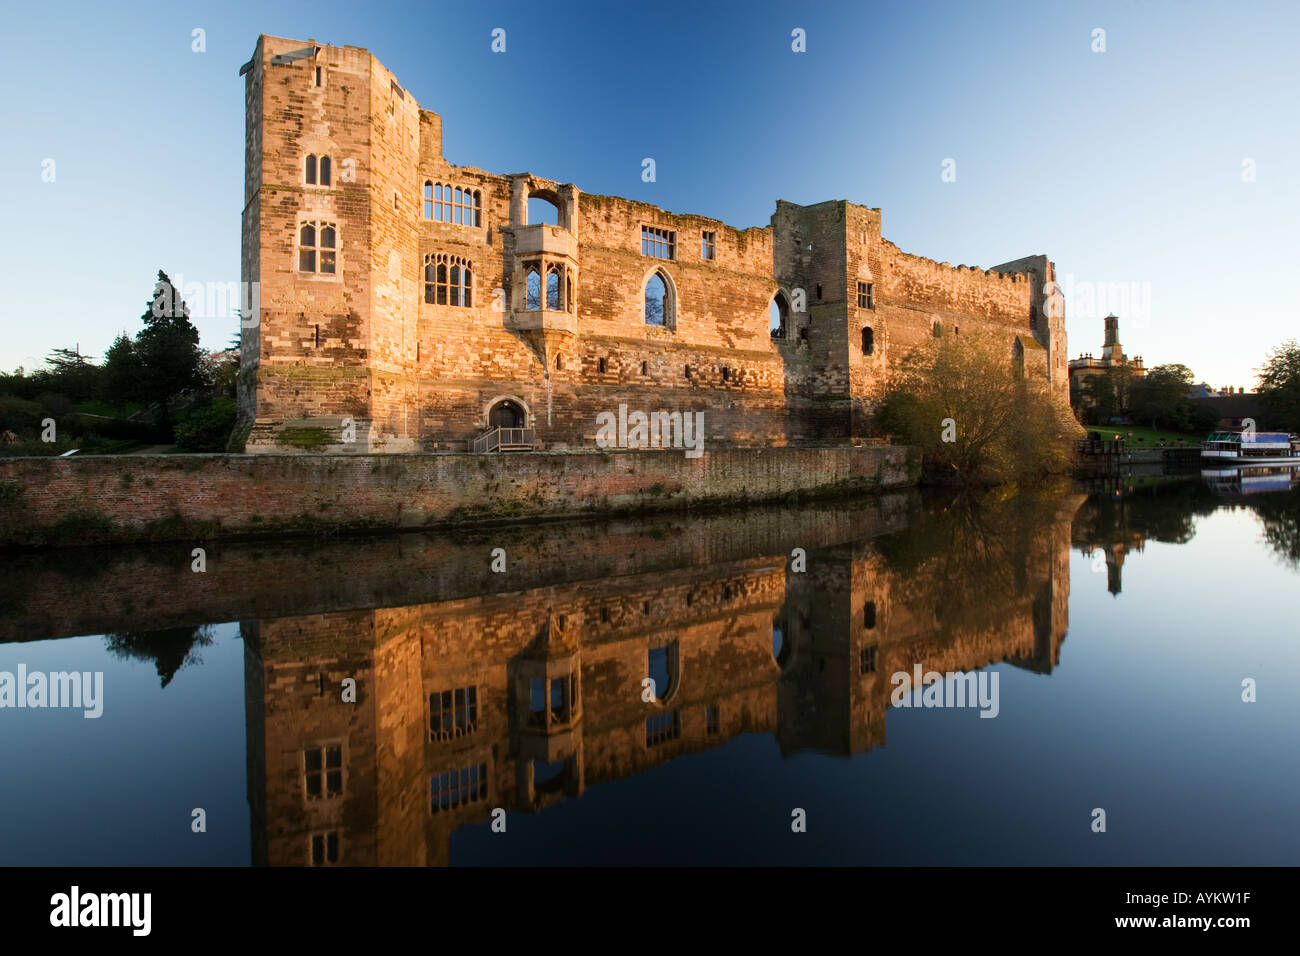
[(98, 498)]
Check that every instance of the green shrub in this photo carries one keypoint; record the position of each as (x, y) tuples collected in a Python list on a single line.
[(206, 426)]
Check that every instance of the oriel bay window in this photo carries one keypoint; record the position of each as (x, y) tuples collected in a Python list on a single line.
[(448, 280), (554, 292)]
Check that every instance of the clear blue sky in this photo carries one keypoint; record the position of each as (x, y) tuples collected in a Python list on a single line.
[(1125, 167)]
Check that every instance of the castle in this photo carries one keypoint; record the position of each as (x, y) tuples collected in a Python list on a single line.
[(408, 304)]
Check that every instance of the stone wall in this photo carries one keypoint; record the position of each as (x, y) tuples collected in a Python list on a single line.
[(75, 501)]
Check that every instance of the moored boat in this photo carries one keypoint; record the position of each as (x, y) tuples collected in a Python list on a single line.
[(1251, 447)]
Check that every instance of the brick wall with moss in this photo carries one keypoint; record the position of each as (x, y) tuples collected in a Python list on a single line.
[(62, 501)]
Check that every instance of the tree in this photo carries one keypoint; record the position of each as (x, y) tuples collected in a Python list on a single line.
[(71, 374), (960, 402), (1279, 386), (168, 348), (1161, 396), (121, 375)]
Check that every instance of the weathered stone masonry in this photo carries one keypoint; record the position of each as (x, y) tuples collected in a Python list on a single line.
[(348, 329)]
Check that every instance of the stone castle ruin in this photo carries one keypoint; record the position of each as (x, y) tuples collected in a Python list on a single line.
[(407, 304)]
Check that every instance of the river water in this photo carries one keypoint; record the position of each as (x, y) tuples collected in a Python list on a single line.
[(486, 698)]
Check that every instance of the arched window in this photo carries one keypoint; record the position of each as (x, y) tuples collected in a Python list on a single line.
[(780, 643), (533, 290), (478, 208), (324, 170), (559, 362), (664, 667), (868, 340), (311, 169), (428, 199), (778, 316), (658, 301), (937, 329), (448, 280), (553, 289), (307, 248), (542, 210)]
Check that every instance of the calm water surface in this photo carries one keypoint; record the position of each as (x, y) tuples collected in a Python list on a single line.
[(1120, 623)]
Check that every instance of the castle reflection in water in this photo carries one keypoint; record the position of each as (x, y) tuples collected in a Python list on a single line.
[(521, 689)]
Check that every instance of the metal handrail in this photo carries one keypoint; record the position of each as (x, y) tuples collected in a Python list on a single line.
[(497, 438)]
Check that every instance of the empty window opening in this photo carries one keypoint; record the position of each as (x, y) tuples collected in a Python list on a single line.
[(448, 280), (656, 301), (549, 777), (457, 787), (542, 210), (780, 643), (532, 290), (658, 243), (712, 719), (869, 615), (553, 290), (726, 374), (663, 669), (937, 328), (453, 713), (868, 341), (662, 728), (645, 368), (320, 76), (601, 366), (778, 316), (453, 204), (819, 293)]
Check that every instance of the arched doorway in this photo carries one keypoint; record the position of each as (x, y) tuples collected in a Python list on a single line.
[(507, 414)]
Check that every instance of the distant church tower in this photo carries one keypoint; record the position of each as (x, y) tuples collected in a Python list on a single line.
[(1111, 350)]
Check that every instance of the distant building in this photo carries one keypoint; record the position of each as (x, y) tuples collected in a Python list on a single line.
[(1234, 407), (1112, 357)]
